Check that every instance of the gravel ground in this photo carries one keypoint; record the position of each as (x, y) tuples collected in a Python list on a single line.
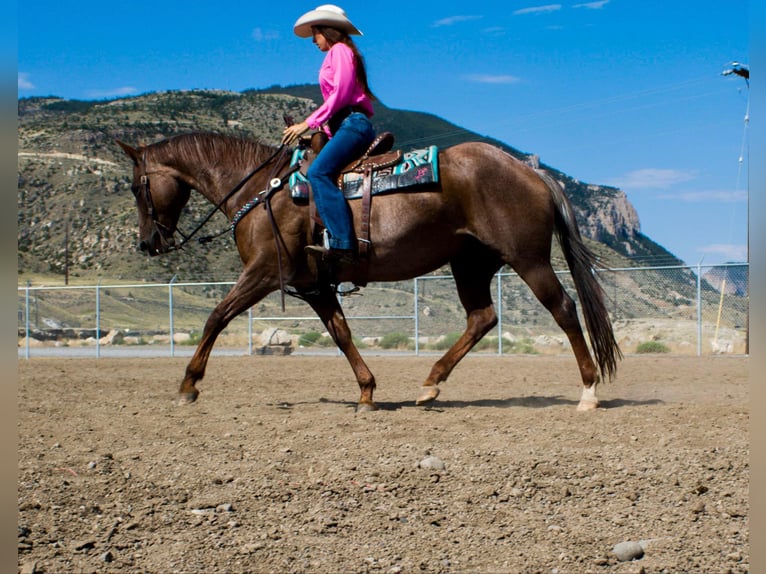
[(271, 470)]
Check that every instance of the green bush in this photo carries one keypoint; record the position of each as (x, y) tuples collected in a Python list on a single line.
[(309, 339), (194, 338), (396, 341), (519, 347), (652, 347), (446, 342), (486, 343)]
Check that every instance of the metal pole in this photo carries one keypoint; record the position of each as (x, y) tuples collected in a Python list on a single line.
[(499, 315), (417, 319), (250, 331), (699, 308), (98, 319), (170, 305), (26, 320)]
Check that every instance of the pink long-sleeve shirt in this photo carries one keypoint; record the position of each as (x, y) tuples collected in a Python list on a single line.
[(337, 82)]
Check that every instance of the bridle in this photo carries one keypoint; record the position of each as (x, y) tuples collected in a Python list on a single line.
[(263, 198), (166, 233)]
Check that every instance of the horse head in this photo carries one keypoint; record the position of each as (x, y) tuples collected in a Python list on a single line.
[(160, 197)]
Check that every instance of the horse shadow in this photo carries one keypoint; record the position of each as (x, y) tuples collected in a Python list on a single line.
[(528, 402)]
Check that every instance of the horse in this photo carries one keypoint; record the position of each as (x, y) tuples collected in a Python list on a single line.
[(488, 209)]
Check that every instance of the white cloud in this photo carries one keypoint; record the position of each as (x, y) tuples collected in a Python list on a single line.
[(492, 79), (538, 9), (494, 30), (592, 5), (653, 178), (24, 83), (112, 93), (261, 35), (711, 196), (728, 252), (452, 20)]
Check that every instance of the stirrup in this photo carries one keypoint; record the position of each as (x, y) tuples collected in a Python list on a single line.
[(317, 251), (350, 291)]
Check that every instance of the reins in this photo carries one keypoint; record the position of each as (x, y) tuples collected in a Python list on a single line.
[(205, 239), (275, 184)]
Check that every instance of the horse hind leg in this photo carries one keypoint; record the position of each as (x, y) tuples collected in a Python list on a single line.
[(543, 282), (473, 272)]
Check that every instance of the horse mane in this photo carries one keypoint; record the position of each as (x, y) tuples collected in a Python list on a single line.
[(236, 152)]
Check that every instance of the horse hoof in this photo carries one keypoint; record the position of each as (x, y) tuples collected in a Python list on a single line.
[(366, 407), (427, 395), (588, 399), (584, 406), (186, 398)]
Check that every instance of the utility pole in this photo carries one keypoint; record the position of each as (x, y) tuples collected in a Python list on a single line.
[(743, 71)]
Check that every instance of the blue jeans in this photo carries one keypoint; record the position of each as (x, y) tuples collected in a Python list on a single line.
[(351, 140)]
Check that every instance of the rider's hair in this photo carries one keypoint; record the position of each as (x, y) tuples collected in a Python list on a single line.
[(333, 36)]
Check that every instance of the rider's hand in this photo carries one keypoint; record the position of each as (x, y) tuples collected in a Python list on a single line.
[(293, 132)]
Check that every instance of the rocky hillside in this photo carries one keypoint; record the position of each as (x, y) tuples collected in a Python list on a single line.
[(75, 205), (722, 279)]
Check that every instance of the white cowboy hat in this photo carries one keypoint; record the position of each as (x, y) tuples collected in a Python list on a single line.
[(325, 15)]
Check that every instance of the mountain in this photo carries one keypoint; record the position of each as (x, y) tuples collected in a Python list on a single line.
[(76, 215), (724, 281)]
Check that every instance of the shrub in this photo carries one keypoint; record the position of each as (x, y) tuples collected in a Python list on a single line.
[(447, 341), (652, 347), (309, 339), (519, 346), (194, 338), (396, 341)]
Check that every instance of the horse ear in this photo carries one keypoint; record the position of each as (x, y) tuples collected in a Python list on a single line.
[(132, 152)]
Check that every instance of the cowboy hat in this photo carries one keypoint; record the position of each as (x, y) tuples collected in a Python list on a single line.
[(325, 15)]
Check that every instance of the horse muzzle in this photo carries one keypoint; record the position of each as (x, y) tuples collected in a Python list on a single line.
[(157, 244)]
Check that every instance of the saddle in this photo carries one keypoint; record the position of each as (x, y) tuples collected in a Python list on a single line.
[(378, 170), (378, 156)]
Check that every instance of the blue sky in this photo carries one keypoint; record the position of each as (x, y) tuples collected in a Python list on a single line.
[(620, 92)]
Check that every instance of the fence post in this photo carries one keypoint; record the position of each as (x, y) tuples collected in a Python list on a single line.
[(699, 308), (170, 306), (98, 319), (250, 331), (26, 320), (499, 314), (417, 318)]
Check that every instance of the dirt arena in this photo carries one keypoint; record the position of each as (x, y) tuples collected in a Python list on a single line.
[(271, 470)]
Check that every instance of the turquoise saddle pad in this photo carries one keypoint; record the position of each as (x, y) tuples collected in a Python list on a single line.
[(417, 168)]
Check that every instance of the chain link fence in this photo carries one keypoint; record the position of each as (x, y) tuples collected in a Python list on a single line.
[(684, 310)]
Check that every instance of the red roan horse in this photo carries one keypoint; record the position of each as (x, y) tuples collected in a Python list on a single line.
[(488, 209)]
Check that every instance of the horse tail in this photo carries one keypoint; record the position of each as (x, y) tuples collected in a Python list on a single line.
[(582, 264)]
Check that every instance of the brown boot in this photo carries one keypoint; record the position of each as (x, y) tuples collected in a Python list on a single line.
[(341, 256)]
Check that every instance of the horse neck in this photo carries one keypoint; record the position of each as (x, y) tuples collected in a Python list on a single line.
[(216, 170)]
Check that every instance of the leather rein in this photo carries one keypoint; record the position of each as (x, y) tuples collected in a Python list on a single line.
[(275, 184)]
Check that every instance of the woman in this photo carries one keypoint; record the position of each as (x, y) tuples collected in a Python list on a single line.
[(344, 116)]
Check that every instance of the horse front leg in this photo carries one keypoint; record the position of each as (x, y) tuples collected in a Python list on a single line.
[(326, 306), (247, 291)]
